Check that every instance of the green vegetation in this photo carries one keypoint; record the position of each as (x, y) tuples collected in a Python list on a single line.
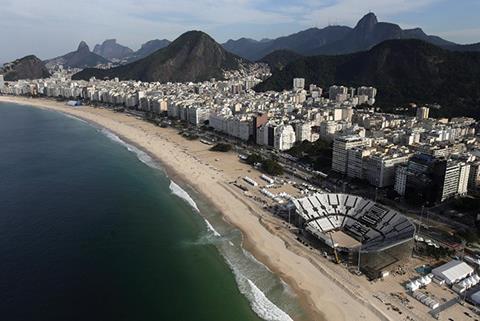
[(466, 204), (437, 253), (280, 58), (221, 147), (469, 236), (269, 166), (253, 159), (318, 153), (189, 136)]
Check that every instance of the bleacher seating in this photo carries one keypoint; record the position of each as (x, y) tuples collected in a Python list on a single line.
[(368, 222)]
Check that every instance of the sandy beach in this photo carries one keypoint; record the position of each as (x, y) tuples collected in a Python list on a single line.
[(324, 292)]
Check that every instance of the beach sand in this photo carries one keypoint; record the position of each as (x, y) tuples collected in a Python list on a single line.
[(323, 293)]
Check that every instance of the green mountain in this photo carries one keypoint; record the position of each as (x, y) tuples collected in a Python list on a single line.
[(194, 56), (280, 58), (29, 67), (404, 71)]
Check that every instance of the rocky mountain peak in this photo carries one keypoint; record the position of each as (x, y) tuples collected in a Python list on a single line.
[(83, 46)]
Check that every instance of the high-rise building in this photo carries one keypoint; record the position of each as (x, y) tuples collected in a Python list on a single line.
[(380, 170), (284, 137), (356, 162), (422, 113), (303, 131), (298, 83), (2, 82), (432, 179), (258, 121), (446, 176), (474, 176), (341, 146), (370, 92), (463, 179), (338, 93), (401, 179)]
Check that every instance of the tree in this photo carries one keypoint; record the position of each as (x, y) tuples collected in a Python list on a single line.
[(221, 147), (271, 167), (253, 159)]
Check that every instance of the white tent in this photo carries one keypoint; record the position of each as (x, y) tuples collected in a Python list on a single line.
[(453, 271)]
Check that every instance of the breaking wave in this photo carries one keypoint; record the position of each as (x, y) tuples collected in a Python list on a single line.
[(141, 155), (259, 302), (76, 118), (180, 192)]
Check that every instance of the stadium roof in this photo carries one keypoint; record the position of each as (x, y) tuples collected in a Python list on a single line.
[(372, 224)]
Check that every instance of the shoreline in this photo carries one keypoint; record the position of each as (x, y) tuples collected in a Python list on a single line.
[(322, 296)]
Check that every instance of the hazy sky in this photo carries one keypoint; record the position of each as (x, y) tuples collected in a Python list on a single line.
[(49, 28)]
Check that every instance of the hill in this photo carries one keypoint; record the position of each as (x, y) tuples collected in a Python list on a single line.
[(110, 49), (29, 67), (404, 71), (81, 58), (301, 42), (280, 58), (147, 49), (194, 56)]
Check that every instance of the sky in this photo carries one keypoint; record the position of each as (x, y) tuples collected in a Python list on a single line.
[(49, 28)]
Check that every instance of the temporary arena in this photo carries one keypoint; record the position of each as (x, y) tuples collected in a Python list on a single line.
[(364, 233)]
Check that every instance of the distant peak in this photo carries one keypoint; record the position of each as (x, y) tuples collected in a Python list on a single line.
[(194, 35), (110, 41), (83, 46), (368, 21)]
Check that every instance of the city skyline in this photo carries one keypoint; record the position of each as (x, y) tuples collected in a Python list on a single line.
[(135, 23)]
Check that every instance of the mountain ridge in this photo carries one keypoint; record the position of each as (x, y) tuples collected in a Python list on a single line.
[(336, 40), (194, 56), (148, 48)]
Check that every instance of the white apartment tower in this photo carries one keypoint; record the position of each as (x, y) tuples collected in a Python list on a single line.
[(298, 83), (463, 179), (341, 146), (422, 113), (303, 131), (284, 137)]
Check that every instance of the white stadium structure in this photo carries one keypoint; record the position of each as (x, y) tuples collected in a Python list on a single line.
[(354, 225)]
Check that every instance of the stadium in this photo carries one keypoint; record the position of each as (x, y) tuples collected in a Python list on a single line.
[(359, 231)]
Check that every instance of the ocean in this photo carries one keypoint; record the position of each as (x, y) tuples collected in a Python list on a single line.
[(92, 228)]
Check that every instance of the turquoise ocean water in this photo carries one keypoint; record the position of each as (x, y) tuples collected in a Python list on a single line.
[(91, 228)]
